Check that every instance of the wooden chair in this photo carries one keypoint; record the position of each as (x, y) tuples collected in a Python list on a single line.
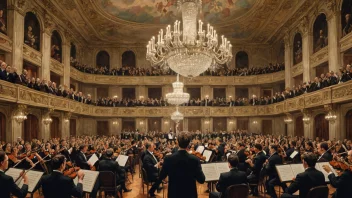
[(237, 191), (318, 192), (107, 181), (145, 181)]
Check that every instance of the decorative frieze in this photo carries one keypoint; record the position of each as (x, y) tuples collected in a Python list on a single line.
[(5, 43), (56, 67), (319, 57), (32, 55), (23, 95), (297, 69)]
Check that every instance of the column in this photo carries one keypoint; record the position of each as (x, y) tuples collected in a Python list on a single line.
[(333, 39), (141, 92), (142, 124), (307, 48), (166, 89), (66, 54), (114, 59), (165, 124), (230, 92), (206, 91), (44, 72), (308, 126), (231, 124), (254, 90), (288, 62), (185, 124), (255, 125), (15, 18), (115, 126)]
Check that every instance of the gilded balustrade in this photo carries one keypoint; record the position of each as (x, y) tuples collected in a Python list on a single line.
[(22, 95)]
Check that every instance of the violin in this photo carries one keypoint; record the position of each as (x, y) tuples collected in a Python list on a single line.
[(199, 156), (341, 164), (71, 171)]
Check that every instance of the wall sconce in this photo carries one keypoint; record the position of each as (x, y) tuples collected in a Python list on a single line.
[(67, 116), (20, 114), (306, 116), (115, 122), (47, 119), (206, 122), (331, 117), (166, 122), (288, 119), (255, 122), (141, 97), (116, 96), (230, 122), (206, 96), (141, 123)]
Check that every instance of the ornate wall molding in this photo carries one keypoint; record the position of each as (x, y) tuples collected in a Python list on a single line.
[(5, 43), (164, 80), (297, 69), (32, 55), (56, 67), (319, 57), (346, 43), (22, 95)]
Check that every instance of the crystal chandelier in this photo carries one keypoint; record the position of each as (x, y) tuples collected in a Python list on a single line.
[(288, 119), (177, 116), (306, 119), (194, 52), (177, 97), (20, 114), (331, 117), (47, 120)]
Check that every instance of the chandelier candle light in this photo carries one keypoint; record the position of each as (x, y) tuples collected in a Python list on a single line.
[(196, 51), (177, 97)]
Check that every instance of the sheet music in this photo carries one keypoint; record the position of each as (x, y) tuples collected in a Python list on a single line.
[(227, 155), (200, 149), (319, 166), (207, 154), (297, 169), (210, 172), (285, 172), (33, 177), (293, 155), (222, 168), (70, 150), (93, 159), (90, 177), (122, 160)]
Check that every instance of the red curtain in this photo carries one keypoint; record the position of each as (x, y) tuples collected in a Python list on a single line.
[(299, 127), (349, 124), (72, 127), (321, 127), (2, 127), (30, 128), (55, 130)]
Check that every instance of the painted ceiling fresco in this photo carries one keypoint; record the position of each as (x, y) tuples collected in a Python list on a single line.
[(165, 11)]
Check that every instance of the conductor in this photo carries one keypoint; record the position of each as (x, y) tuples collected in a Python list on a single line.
[(183, 170)]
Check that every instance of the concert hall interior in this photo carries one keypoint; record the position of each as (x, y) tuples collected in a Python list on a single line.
[(196, 98)]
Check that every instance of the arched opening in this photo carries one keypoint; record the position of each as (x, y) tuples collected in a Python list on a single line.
[(32, 31), (242, 60), (73, 52), (55, 129), (3, 16), (348, 121), (56, 46), (2, 127), (321, 127), (73, 127), (103, 60), (346, 11), (128, 59), (30, 128), (320, 33), (297, 49), (299, 127)]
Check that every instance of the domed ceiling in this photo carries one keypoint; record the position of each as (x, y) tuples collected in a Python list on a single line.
[(136, 21), (165, 11)]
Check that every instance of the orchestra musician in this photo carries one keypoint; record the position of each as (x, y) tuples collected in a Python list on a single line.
[(151, 166), (7, 184), (256, 166), (220, 150), (81, 159), (323, 150), (56, 185), (343, 182), (310, 178), (183, 170), (108, 164), (234, 176), (270, 169), (242, 165)]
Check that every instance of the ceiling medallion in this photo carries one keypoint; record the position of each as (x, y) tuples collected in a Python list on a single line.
[(188, 52)]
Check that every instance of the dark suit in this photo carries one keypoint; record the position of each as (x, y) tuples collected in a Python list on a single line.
[(81, 161), (242, 165), (56, 185), (258, 162), (149, 166), (327, 157), (342, 184), (234, 176), (305, 181), (8, 186), (274, 179), (113, 166), (183, 170)]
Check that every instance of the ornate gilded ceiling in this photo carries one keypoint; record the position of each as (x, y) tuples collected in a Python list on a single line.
[(135, 21)]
